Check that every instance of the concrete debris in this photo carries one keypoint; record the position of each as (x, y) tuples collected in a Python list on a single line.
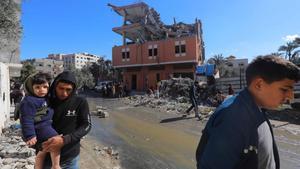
[(173, 97), (166, 104), (176, 88), (142, 23), (14, 153), (107, 151), (101, 113)]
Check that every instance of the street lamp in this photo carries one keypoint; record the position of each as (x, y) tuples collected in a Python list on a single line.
[(241, 65)]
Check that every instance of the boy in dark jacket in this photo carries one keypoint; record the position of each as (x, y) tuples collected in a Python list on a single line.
[(71, 120), (36, 117), (239, 135)]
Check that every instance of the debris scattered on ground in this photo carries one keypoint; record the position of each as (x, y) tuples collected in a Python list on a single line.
[(172, 98), (14, 153), (107, 152), (168, 105), (101, 112)]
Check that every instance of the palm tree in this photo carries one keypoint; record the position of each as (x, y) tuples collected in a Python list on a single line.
[(217, 59), (296, 54), (289, 49)]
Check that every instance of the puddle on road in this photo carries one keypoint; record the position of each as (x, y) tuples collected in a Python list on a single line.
[(150, 145), (165, 143), (146, 145)]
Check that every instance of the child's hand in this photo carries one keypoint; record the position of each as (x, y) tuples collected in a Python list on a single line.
[(31, 141)]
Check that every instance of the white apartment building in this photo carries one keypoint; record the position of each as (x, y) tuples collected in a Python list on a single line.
[(55, 56), (51, 66), (235, 67), (77, 60)]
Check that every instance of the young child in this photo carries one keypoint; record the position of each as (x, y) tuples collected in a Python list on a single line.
[(36, 117), (239, 135)]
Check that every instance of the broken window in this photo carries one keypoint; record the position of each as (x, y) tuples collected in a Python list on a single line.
[(155, 52), (150, 53), (128, 54), (182, 49), (177, 49), (123, 55)]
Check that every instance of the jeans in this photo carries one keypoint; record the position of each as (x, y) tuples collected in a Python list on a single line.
[(70, 164), (195, 106)]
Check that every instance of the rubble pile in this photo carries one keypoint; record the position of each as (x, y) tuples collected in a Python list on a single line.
[(173, 97), (175, 88), (14, 153), (176, 106)]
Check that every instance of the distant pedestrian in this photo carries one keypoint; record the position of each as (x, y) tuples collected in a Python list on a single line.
[(125, 89), (239, 135), (113, 90), (230, 90), (193, 98), (150, 90), (16, 94)]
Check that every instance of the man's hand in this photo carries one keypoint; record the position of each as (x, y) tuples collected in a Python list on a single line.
[(31, 142), (53, 144)]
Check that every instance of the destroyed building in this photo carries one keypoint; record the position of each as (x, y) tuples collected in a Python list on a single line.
[(152, 51)]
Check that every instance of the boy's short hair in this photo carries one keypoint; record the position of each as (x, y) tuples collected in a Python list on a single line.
[(41, 78), (271, 68)]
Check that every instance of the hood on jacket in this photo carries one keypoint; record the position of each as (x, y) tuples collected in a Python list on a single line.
[(28, 85), (65, 77)]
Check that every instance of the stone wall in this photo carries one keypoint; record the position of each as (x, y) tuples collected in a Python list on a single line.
[(4, 95)]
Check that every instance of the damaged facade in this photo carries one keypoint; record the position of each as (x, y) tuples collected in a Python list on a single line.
[(153, 51)]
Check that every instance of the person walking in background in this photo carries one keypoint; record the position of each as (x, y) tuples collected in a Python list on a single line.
[(230, 90), (16, 94), (113, 90), (193, 98), (239, 135)]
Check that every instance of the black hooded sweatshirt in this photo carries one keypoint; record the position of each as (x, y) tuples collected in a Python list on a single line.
[(71, 117)]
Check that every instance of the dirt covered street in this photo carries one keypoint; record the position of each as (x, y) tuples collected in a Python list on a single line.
[(148, 138)]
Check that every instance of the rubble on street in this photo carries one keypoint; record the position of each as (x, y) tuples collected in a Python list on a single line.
[(172, 98), (175, 88), (178, 106), (101, 112), (107, 152), (14, 153)]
